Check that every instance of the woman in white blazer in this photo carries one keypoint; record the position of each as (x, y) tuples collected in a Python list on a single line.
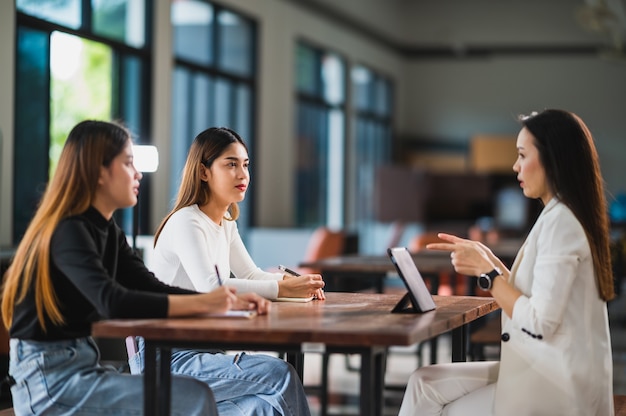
[(556, 348)]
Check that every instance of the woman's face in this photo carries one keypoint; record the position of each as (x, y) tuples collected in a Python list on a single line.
[(228, 177), (530, 172), (118, 185)]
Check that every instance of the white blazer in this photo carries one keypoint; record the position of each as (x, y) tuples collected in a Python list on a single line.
[(556, 349)]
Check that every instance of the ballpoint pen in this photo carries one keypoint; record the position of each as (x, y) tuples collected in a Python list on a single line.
[(217, 272), (286, 270)]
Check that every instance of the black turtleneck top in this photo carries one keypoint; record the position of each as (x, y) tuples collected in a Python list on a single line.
[(96, 275)]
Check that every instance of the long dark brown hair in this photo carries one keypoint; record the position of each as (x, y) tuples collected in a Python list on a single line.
[(89, 146), (570, 160)]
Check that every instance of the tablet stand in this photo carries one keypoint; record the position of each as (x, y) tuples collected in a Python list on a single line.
[(405, 305)]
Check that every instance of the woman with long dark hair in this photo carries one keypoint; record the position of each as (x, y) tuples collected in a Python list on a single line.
[(73, 267), (556, 347)]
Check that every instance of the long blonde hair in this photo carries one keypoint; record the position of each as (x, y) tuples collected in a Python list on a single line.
[(89, 146), (206, 147)]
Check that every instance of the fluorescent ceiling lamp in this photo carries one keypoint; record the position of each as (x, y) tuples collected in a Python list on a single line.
[(145, 158)]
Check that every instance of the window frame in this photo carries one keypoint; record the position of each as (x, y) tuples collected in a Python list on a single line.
[(38, 149), (316, 99)]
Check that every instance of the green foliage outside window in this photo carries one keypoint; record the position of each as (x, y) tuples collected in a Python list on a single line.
[(81, 87)]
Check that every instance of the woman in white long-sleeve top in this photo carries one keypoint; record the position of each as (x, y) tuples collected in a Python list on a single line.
[(556, 348), (197, 246), (199, 236)]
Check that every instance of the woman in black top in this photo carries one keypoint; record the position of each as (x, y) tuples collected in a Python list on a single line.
[(73, 267)]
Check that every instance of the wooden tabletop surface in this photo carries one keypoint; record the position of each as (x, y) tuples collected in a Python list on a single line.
[(343, 319)]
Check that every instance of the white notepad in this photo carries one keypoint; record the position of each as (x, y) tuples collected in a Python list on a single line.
[(233, 314), (301, 300)]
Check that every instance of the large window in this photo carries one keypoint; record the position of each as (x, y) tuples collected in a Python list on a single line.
[(76, 59), (320, 128), (214, 80), (372, 102)]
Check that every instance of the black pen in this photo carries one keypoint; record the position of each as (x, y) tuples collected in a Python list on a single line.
[(217, 272), (286, 270)]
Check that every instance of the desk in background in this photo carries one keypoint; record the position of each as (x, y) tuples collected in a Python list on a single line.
[(356, 272), (351, 323)]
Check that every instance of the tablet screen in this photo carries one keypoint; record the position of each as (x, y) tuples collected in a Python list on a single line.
[(418, 292)]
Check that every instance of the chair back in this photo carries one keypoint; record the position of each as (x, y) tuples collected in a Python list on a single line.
[(420, 241), (324, 243)]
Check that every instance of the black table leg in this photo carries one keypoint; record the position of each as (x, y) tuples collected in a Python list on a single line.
[(150, 406), (372, 381), (433, 350), (459, 344), (157, 380), (165, 380), (296, 359)]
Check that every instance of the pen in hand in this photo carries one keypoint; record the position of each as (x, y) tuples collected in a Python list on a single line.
[(286, 270), (291, 272), (217, 272)]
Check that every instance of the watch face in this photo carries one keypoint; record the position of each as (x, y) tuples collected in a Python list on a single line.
[(484, 282)]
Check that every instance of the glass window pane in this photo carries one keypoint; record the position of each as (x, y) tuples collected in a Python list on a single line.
[(243, 126), (223, 109), (63, 12), (235, 37), (312, 165), (202, 107), (243, 112), (122, 20), (335, 185), (131, 94), (361, 78), (80, 85), (32, 100), (333, 76), (382, 102), (306, 70), (192, 22), (181, 133)]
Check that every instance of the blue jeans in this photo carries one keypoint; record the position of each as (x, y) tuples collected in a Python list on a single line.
[(64, 378), (243, 384)]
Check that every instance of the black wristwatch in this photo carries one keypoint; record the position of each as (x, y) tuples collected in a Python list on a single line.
[(485, 280)]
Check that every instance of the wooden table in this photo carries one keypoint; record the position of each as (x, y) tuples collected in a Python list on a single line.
[(351, 323)]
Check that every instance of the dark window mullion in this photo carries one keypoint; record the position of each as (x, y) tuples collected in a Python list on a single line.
[(86, 17), (117, 82), (191, 99), (233, 104), (217, 37), (213, 71)]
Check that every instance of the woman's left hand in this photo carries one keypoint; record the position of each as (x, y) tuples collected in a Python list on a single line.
[(252, 301)]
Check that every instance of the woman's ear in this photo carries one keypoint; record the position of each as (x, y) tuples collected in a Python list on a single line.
[(104, 173), (204, 173)]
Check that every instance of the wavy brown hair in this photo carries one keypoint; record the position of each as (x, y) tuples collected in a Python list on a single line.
[(89, 146), (206, 147), (570, 160)]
